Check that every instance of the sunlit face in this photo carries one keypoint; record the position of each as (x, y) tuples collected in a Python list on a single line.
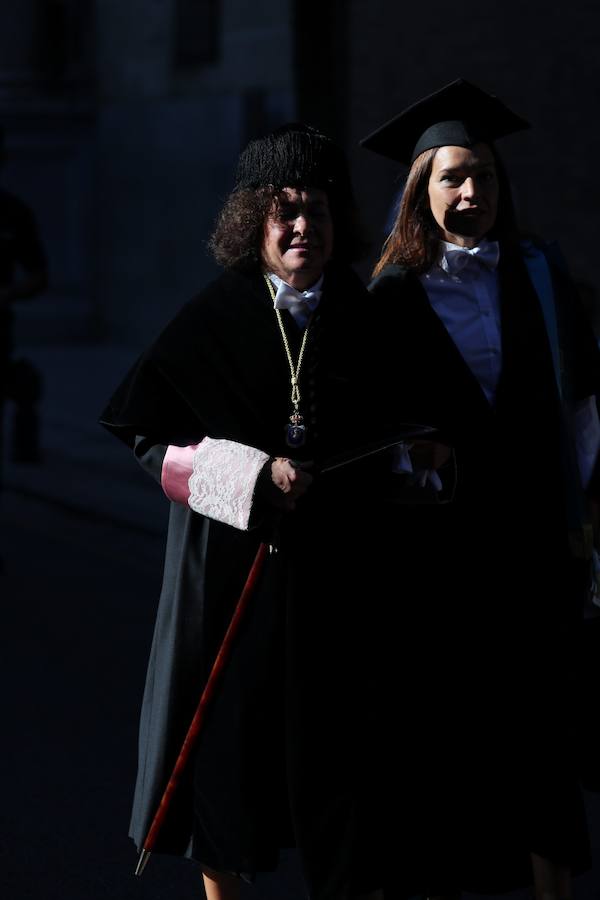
[(463, 193), (298, 238)]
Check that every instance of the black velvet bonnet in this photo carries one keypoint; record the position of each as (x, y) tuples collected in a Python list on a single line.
[(294, 155)]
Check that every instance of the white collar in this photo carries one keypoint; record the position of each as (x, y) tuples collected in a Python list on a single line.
[(315, 289), (453, 257)]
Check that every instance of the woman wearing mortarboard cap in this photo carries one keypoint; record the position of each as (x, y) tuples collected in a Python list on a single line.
[(486, 332), (213, 410)]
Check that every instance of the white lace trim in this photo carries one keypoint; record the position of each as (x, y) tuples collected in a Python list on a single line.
[(223, 480)]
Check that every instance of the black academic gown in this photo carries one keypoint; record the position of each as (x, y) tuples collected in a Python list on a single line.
[(278, 759), (478, 764)]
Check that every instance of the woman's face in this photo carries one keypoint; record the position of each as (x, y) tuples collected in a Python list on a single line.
[(463, 193), (298, 238)]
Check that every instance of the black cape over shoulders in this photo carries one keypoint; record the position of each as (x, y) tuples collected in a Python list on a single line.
[(219, 368), (278, 761)]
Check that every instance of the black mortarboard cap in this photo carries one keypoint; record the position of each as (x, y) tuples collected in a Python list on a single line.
[(458, 115), (294, 155)]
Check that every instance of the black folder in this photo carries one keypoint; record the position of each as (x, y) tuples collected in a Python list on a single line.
[(404, 432)]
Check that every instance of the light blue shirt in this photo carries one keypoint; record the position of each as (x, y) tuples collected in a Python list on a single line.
[(468, 303)]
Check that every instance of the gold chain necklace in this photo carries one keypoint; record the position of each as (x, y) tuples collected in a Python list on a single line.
[(295, 431)]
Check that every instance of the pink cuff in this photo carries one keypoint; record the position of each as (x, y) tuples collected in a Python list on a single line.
[(177, 467)]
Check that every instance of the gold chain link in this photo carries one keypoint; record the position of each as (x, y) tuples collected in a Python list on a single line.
[(294, 371)]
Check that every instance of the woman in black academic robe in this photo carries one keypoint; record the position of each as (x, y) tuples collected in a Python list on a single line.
[(487, 333), (278, 760)]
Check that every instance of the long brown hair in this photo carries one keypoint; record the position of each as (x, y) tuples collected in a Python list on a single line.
[(414, 239)]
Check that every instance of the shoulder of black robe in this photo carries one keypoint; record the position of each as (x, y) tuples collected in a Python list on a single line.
[(389, 277), (219, 368), (399, 294), (423, 368), (580, 346)]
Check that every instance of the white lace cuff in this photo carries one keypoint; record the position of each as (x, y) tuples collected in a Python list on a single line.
[(223, 480)]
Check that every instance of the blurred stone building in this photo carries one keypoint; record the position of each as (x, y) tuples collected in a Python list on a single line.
[(124, 119)]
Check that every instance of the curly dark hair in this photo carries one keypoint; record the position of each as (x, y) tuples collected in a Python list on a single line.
[(237, 239), (414, 240)]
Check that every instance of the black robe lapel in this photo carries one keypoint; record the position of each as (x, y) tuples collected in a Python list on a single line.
[(528, 435), (430, 371), (527, 392)]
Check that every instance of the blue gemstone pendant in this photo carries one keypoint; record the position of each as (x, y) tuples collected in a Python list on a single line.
[(295, 432)]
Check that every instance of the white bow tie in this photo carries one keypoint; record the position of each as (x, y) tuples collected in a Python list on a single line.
[(454, 259), (300, 303)]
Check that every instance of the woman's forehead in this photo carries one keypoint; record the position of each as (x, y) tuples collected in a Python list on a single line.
[(451, 157)]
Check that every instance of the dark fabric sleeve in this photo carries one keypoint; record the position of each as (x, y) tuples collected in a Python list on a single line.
[(205, 374), (150, 456), (581, 355), (147, 404)]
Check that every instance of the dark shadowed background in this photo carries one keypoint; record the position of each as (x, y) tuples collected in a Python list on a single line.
[(123, 120)]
